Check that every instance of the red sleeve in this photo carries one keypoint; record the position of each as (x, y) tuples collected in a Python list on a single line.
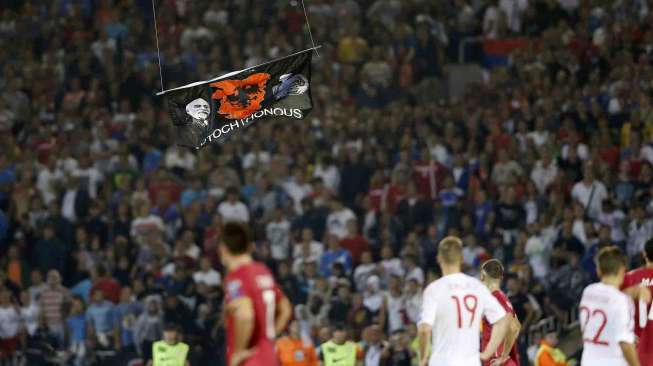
[(235, 288), (505, 303), (629, 280)]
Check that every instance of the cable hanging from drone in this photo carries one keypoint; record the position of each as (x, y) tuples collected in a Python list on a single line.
[(210, 111), (158, 51)]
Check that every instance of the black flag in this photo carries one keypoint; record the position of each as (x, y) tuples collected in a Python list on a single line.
[(210, 111)]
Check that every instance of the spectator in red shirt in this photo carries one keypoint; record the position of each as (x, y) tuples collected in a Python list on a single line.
[(354, 242), (105, 283), (428, 175)]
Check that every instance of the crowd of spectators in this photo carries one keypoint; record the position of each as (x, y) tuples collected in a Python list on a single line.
[(107, 230)]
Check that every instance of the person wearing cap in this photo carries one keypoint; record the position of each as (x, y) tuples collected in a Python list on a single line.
[(339, 351), (169, 351)]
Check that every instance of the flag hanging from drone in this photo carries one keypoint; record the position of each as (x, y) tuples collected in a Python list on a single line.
[(211, 111)]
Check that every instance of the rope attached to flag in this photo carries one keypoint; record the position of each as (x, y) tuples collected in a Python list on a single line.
[(158, 52), (308, 24)]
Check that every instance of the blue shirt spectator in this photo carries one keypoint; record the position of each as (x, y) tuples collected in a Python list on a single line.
[(125, 315), (100, 313)]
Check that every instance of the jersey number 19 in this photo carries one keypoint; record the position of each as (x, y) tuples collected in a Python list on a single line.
[(470, 303)]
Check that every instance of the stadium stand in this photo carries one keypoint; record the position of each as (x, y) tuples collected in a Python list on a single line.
[(523, 126)]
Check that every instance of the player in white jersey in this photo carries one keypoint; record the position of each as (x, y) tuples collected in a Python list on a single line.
[(452, 310), (607, 315)]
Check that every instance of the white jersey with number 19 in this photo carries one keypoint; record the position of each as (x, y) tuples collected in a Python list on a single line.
[(454, 306), (606, 318)]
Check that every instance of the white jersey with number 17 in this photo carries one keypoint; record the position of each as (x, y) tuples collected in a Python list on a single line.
[(454, 306), (606, 318)]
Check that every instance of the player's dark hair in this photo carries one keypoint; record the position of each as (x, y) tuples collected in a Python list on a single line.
[(648, 250), (493, 269), (609, 260), (236, 237)]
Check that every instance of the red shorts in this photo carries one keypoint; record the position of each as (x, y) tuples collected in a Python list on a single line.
[(8, 346), (646, 359)]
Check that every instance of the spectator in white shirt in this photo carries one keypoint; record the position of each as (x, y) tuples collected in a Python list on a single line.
[(277, 232), (298, 188), (492, 20), (30, 313), (413, 272), (207, 275), (329, 173), (232, 209), (364, 270), (9, 323), (186, 247), (390, 265), (514, 10), (256, 158), (180, 159), (540, 136), (313, 247), (589, 192), (89, 176), (537, 250), (145, 222), (640, 230), (48, 178), (338, 218), (413, 300), (613, 217), (544, 172)]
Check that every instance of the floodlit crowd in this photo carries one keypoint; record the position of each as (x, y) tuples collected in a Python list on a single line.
[(108, 231)]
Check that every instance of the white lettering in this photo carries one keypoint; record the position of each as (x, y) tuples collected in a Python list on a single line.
[(219, 133), (287, 112), (647, 282)]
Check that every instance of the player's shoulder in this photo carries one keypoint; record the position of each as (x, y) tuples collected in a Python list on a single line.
[(638, 273), (501, 296), (601, 293), (247, 271), (257, 268)]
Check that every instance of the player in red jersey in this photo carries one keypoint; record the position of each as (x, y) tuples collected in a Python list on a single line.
[(491, 276), (636, 283), (255, 309)]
